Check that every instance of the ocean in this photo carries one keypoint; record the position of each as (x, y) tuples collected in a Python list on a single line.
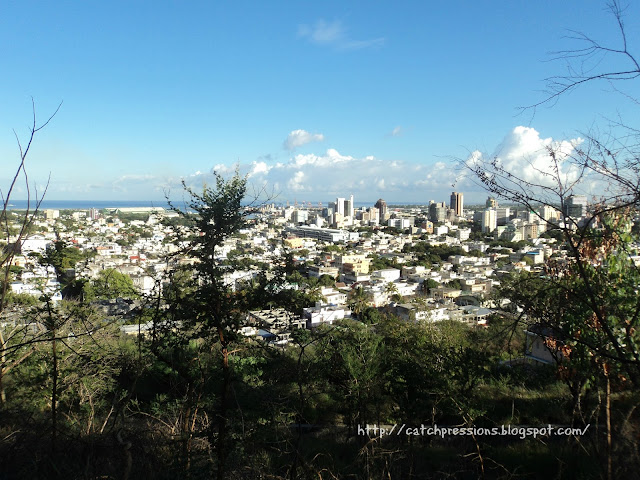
[(86, 204)]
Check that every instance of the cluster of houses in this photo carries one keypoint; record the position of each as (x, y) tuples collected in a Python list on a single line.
[(458, 288)]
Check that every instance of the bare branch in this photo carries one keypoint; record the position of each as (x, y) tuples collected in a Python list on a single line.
[(584, 64)]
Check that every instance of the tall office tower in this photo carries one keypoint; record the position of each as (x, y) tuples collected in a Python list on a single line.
[(456, 203), (489, 220), (348, 207), (548, 213), (503, 215), (340, 204), (491, 203), (576, 206), (381, 205), (437, 212), (300, 216)]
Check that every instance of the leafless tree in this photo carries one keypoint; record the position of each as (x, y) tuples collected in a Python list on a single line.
[(592, 61), (34, 201)]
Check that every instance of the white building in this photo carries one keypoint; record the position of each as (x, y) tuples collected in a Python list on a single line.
[(37, 289), (489, 220), (386, 275), (399, 223), (326, 314), (36, 243)]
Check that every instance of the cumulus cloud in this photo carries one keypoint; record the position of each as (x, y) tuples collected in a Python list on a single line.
[(325, 175), (524, 153), (296, 183), (259, 168), (523, 150), (297, 138), (331, 158), (334, 34), (321, 175), (334, 173)]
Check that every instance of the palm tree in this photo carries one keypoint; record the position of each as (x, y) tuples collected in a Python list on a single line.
[(359, 300)]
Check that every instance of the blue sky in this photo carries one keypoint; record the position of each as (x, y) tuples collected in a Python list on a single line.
[(312, 99)]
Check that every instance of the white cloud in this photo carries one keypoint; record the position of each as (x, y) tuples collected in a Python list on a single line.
[(297, 138), (222, 169), (259, 168), (333, 173), (396, 132), (296, 184), (334, 34), (526, 155), (325, 175)]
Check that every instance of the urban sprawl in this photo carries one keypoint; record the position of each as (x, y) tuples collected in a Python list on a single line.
[(376, 254)]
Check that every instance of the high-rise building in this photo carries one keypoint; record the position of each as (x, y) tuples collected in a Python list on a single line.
[(491, 203), (300, 216), (437, 212), (370, 215), (340, 204), (456, 203), (530, 231), (381, 205), (576, 206), (489, 220), (548, 213), (348, 207), (503, 215)]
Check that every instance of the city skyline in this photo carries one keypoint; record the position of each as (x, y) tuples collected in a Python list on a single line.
[(308, 101)]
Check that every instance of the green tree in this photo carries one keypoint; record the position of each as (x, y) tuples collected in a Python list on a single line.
[(371, 316), (326, 281), (428, 285), (110, 284), (455, 283), (359, 300), (210, 313), (353, 356)]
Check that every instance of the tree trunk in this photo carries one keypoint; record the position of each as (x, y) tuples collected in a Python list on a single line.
[(54, 392), (3, 359), (222, 417), (186, 432), (3, 395), (608, 419)]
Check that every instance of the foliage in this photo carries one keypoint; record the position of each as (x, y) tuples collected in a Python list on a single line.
[(359, 300), (21, 299), (62, 257), (455, 283), (380, 263), (429, 254), (109, 284)]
